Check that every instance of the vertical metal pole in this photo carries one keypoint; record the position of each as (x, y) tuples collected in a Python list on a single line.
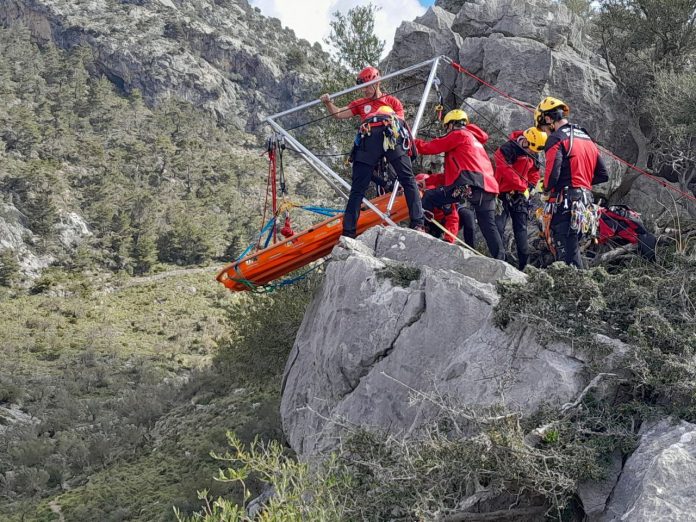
[(416, 123), (326, 169)]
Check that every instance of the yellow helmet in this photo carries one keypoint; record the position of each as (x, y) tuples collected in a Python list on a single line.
[(536, 139), (455, 115), (549, 104)]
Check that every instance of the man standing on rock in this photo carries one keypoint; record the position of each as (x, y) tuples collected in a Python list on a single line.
[(517, 172), (573, 165), (468, 175), (382, 134)]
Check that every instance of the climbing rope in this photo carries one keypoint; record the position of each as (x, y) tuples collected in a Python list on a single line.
[(430, 218), (530, 109)]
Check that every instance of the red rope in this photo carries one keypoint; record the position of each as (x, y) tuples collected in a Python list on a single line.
[(484, 82), (526, 107), (271, 175), (661, 181)]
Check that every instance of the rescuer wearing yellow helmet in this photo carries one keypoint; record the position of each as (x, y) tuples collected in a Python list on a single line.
[(517, 171), (573, 165), (468, 175)]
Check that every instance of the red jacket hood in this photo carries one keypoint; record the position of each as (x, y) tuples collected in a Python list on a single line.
[(478, 133), (515, 134)]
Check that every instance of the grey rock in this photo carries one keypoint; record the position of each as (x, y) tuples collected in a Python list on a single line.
[(657, 203), (369, 340), (417, 249), (529, 49), (224, 56), (422, 39), (658, 481), (71, 229), (15, 236), (551, 23), (594, 494)]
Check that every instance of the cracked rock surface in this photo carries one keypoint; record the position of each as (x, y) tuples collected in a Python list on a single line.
[(397, 310), (658, 481)]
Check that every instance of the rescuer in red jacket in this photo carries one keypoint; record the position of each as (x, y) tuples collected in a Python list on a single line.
[(573, 165), (382, 134), (517, 172), (447, 216), (468, 175)]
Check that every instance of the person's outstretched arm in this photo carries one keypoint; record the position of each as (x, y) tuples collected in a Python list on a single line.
[(342, 113)]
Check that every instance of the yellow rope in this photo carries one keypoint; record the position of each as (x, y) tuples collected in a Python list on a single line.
[(450, 234)]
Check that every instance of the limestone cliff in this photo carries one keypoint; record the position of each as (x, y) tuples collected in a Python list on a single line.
[(219, 54)]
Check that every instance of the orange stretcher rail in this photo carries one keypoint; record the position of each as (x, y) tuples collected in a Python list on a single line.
[(264, 266)]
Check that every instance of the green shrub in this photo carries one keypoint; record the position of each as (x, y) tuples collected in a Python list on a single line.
[(265, 327)]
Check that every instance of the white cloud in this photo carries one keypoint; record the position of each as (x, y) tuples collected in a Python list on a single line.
[(310, 18)]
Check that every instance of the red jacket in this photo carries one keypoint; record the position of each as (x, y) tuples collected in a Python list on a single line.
[(464, 156), (516, 169), (449, 220), (575, 162)]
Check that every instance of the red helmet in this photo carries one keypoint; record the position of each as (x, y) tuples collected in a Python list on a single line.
[(367, 75)]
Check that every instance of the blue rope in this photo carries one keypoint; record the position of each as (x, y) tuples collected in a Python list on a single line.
[(330, 212), (265, 228), (292, 280)]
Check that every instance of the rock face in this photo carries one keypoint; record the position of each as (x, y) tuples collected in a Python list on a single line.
[(658, 481), (529, 49), (16, 237), (401, 311), (219, 54)]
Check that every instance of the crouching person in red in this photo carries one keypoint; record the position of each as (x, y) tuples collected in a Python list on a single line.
[(468, 175), (517, 172), (447, 216)]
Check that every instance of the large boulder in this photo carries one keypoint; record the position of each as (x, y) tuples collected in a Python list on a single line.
[(529, 49), (658, 481), (400, 312)]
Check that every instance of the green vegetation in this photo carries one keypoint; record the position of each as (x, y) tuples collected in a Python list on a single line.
[(168, 184), (122, 408), (648, 306), (484, 453), (353, 37), (400, 274), (649, 47)]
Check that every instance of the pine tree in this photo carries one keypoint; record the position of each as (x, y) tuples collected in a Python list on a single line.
[(9, 268), (144, 252), (353, 37)]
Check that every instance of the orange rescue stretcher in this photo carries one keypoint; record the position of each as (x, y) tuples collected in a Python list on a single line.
[(279, 259)]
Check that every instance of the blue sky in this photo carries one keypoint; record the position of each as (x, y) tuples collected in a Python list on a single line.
[(310, 18)]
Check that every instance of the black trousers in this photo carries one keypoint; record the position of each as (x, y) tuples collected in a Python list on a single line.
[(565, 239), (516, 207), (483, 204), (365, 158), (467, 222)]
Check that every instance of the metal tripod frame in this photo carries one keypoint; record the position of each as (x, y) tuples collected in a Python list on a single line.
[(335, 181)]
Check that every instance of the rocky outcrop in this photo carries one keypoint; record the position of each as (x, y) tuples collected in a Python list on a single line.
[(658, 481), (16, 237), (222, 55), (401, 311), (529, 50)]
